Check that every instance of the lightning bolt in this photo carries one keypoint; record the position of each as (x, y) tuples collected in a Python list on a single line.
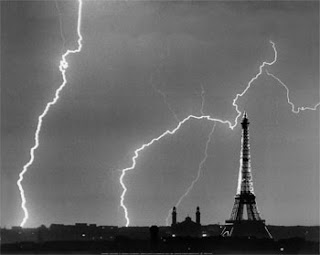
[(164, 96), (198, 173), (159, 91), (303, 108), (207, 117), (234, 103), (137, 151), (62, 67), (202, 161), (170, 132)]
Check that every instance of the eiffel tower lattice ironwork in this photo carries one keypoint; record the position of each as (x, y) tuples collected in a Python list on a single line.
[(238, 225)]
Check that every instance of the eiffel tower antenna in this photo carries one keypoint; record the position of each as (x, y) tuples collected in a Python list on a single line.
[(249, 224)]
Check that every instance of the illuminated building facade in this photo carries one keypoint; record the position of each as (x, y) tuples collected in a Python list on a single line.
[(251, 224)]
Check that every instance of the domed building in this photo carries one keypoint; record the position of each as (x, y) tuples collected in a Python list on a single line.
[(186, 227)]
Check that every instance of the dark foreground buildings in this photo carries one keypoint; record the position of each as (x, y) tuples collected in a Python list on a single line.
[(92, 232), (242, 233), (187, 227), (90, 238)]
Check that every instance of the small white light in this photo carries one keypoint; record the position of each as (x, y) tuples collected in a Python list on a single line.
[(173, 235)]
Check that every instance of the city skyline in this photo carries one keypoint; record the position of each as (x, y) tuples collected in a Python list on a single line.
[(145, 66)]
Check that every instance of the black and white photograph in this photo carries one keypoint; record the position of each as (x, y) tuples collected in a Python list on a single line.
[(160, 127)]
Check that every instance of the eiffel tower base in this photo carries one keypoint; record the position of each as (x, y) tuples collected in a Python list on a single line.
[(246, 229)]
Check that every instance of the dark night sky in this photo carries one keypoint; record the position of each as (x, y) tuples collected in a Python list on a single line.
[(110, 107)]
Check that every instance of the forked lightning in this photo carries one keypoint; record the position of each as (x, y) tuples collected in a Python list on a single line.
[(198, 172), (208, 117), (230, 124)]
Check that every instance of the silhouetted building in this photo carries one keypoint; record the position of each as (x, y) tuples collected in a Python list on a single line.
[(174, 216), (154, 237), (186, 227), (198, 215), (141, 233), (238, 225)]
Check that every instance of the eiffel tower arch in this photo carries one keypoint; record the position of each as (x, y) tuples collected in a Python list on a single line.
[(245, 220)]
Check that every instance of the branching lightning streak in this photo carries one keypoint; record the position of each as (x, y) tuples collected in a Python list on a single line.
[(164, 96), (159, 91), (198, 173), (303, 108), (136, 153), (62, 67), (167, 132), (202, 161), (253, 79)]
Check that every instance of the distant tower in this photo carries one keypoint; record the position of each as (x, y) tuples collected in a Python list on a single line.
[(198, 215), (174, 216), (238, 225)]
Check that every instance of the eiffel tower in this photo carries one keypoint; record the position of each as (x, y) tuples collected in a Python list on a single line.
[(238, 225)]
